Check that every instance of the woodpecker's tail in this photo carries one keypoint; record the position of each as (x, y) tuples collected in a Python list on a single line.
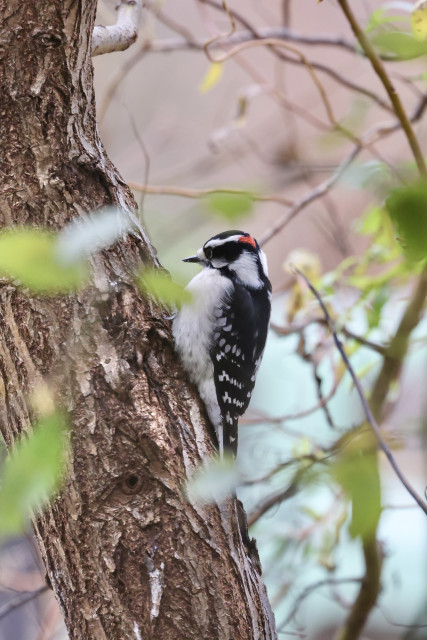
[(230, 436)]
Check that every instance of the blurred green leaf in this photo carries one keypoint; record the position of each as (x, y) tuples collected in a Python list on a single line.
[(230, 206), (403, 45), (370, 222), (159, 285), (380, 17), (372, 175), (32, 472), (374, 311), (28, 255), (407, 207), (357, 473), (368, 283), (419, 20), (352, 122)]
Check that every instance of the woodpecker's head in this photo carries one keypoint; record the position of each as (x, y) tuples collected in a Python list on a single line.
[(236, 254)]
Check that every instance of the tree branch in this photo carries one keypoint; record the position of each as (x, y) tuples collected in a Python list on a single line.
[(368, 412), (201, 193), (287, 331), (280, 496), (388, 86), (368, 593), (121, 35), (309, 590), (370, 588), (20, 600), (316, 193), (368, 139), (286, 33)]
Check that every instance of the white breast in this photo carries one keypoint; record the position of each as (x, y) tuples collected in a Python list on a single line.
[(193, 330)]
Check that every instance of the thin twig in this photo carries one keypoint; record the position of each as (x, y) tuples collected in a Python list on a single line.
[(368, 139), (286, 331), (300, 414), (201, 193), (147, 163), (21, 600), (388, 86), (280, 496), (309, 590), (365, 404), (169, 22), (275, 42), (289, 34), (316, 193)]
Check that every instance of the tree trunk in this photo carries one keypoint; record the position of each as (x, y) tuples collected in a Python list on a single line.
[(125, 552)]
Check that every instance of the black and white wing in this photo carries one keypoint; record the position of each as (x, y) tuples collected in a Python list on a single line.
[(239, 341)]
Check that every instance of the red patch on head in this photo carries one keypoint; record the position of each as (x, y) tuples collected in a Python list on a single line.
[(248, 240)]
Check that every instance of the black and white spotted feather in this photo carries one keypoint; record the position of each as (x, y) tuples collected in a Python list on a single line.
[(221, 334), (236, 354)]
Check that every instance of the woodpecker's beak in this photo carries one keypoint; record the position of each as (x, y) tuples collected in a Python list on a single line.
[(192, 259)]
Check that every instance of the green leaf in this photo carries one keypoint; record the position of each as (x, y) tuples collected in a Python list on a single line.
[(370, 222), (380, 18), (357, 472), (32, 472), (403, 45), (373, 175), (352, 122), (407, 207), (374, 311), (159, 285), (369, 283), (419, 20), (28, 255), (230, 206)]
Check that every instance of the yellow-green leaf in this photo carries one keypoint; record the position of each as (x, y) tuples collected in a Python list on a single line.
[(380, 18), (403, 45), (407, 207), (159, 285), (212, 77), (28, 255), (32, 472), (419, 20), (357, 473)]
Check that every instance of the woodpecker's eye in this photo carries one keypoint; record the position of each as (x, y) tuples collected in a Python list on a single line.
[(208, 253)]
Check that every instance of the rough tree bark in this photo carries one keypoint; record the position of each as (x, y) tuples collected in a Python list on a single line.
[(126, 554)]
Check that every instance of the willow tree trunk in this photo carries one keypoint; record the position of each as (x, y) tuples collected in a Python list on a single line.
[(126, 554)]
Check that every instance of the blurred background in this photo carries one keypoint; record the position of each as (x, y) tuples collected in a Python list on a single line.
[(263, 142)]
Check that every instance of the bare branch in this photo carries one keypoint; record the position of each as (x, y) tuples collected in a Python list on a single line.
[(309, 590), (121, 35), (368, 139), (280, 496), (275, 42), (388, 86), (201, 193), (286, 331), (288, 34), (22, 599), (316, 193), (368, 413)]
